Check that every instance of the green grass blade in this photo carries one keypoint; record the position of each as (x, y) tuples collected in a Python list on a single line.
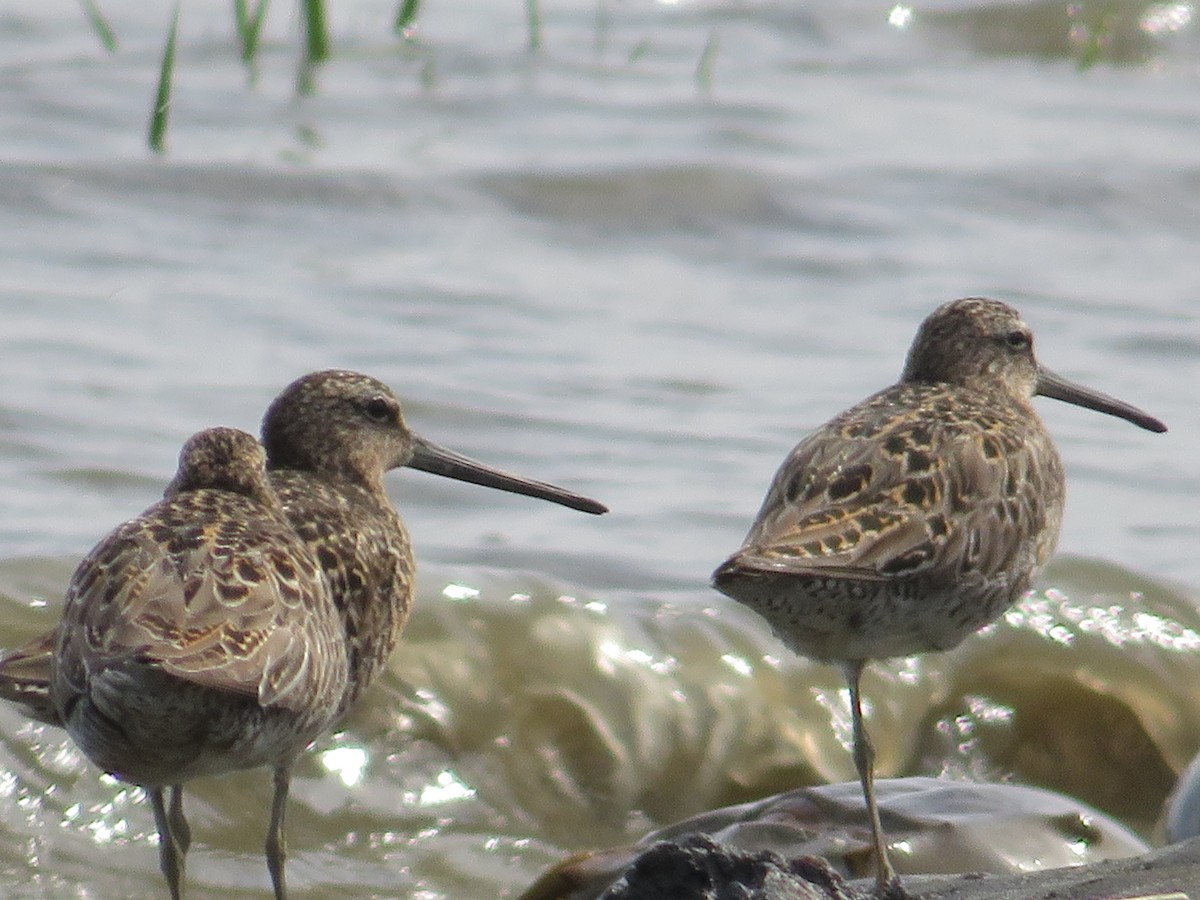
[(104, 32), (406, 16), (316, 32), (708, 60), (241, 17), (533, 13), (162, 97), (429, 74), (249, 26), (306, 81), (1094, 27)]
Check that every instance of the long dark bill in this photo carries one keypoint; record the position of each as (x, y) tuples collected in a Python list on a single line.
[(430, 457), (1057, 387)]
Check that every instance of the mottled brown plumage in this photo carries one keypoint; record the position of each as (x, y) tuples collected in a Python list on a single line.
[(327, 457), (200, 638), (330, 437), (25, 678), (918, 516)]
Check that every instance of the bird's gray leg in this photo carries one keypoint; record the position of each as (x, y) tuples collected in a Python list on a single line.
[(170, 852), (276, 845), (887, 883)]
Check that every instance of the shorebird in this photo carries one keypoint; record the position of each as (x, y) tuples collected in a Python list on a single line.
[(329, 438), (918, 516), (200, 638)]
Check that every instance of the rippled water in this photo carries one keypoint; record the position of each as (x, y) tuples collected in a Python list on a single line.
[(595, 268)]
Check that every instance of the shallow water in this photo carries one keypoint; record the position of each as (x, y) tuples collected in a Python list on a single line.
[(587, 267)]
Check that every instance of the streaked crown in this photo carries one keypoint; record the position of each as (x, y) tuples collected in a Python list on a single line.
[(339, 423), (223, 459), (974, 339)]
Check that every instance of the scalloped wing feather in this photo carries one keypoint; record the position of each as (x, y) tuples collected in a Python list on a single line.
[(25, 678), (217, 613), (879, 493)]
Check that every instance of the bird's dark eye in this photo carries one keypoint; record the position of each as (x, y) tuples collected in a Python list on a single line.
[(380, 409), (1018, 340)]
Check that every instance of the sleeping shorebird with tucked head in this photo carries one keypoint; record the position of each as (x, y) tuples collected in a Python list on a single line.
[(918, 516), (200, 638), (329, 438)]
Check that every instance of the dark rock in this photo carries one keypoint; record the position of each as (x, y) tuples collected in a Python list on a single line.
[(698, 868)]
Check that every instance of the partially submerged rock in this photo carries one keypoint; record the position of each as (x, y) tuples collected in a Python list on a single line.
[(934, 826), (697, 868)]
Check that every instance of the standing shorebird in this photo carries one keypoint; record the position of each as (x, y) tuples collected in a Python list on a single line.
[(329, 437), (918, 516), (200, 638)]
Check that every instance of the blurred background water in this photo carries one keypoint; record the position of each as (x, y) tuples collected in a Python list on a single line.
[(642, 263)]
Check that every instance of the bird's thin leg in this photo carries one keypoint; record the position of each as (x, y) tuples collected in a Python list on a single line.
[(170, 855), (276, 845), (180, 829), (887, 883)]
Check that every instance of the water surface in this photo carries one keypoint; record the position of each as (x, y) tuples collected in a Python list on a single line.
[(591, 267)]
